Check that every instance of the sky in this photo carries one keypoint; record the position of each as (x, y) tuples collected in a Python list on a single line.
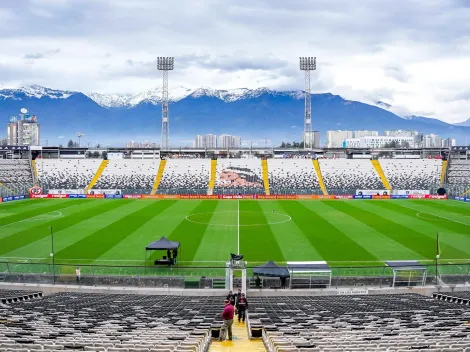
[(411, 54)]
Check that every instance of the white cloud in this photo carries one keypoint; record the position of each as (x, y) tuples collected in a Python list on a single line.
[(411, 54)]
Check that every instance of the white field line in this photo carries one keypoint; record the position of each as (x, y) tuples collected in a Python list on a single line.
[(34, 217), (439, 216)]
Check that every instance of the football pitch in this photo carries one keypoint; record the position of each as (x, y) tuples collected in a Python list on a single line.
[(341, 232)]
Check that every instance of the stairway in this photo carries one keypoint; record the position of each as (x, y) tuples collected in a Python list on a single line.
[(264, 164), (158, 177), (443, 173), (35, 172), (210, 187), (95, 178), (316, 165), (380, 172)]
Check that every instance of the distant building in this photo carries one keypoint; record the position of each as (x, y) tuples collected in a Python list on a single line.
[(146, 144), (448, 142), (206, 141), (401, 133), (377, 142), (226, 141), (3, 141), (335, 139), (312, 138), (23, 130), (432, 141)]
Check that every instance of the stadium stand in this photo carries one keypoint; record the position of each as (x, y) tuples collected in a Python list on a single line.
[(459, 172), (460, 297), (100, 322), (12, 296), (412, 174), (295, 176), (185, 176), (238, 175), (16, 172), (349, 174), (129, 174), (360, 323), (66, 173)]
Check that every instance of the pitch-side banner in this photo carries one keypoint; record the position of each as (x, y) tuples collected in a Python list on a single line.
[(401, 192)]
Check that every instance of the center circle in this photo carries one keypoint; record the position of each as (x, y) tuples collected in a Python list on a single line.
[(238, 218)]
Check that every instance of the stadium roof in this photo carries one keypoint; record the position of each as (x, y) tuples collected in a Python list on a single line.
[(162, 244)]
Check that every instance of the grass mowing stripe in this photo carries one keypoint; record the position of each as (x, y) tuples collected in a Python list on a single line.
[(99, 242), (25, 237), (19, 204), (406, 236), (443, 205), (438, 222), (35, 212), (191, 234), (257, 242), (331, 243)]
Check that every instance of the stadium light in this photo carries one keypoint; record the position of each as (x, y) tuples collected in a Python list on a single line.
[(307, 64), (165, 64), (80, 135)]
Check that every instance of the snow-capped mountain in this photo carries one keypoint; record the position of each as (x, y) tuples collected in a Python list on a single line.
[(250, 113), (154, 96)]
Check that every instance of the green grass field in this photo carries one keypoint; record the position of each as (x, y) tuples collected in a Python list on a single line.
[(115, 232)]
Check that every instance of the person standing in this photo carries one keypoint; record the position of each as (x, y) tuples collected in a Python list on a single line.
[(77, 274), (231, 298), (227, 315), (242, 306)]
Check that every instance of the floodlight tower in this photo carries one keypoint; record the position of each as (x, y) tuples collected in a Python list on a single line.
[(308, 64), (165, 64), (80, 135)]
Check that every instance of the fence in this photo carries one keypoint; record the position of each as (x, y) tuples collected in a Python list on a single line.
[(214, 277)]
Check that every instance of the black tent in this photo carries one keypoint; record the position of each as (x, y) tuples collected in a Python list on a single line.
[(162, 244), (271, 269)]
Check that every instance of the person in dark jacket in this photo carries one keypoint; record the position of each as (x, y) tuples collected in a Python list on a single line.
[(231, 298), (242, 306)]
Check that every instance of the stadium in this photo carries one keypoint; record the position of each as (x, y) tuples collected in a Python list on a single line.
[(337, 250)]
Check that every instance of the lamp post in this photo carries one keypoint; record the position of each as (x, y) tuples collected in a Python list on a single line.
[(52, 255), (80, 135), (308, 64)]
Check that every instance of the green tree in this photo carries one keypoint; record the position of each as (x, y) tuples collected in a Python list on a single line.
[(70, 144)]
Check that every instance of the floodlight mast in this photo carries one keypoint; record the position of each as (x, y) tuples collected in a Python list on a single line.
[(308, 64), (165, 64)]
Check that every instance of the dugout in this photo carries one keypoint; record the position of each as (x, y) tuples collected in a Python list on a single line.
[(316, 274), (407, 272), (163, 244)]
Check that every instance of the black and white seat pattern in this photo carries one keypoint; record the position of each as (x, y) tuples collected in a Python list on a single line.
[(361, 323), (16, 171), (292, 175), (412, 174), (459, 172), (185, 175), (99, 322), (66, 173)]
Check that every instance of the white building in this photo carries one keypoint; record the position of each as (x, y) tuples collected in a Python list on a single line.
[(24, 131), (311, 139), (401, 133), (377, 141), (226, 141), (206, 141), (432, 141), (335, 139), (448, 142)]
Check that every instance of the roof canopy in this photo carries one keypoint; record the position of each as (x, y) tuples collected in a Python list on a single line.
[(271, 269), (162, 244)]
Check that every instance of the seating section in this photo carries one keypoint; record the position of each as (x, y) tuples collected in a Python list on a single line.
[(129, 174), (460, 297), (349, 174), (360, 323), (292, 176), (66, 173), (239, 175), (459, 172), (16, 172), (185, 175), (412, 174), (100, 322), (12, 296)]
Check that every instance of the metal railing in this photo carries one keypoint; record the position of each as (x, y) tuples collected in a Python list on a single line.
[(183, 276)]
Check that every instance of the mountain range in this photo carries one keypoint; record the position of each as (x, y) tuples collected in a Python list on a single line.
[(252, 114)]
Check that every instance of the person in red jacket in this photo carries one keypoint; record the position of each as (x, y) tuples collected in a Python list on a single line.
[(227, 315), (242, 306)]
